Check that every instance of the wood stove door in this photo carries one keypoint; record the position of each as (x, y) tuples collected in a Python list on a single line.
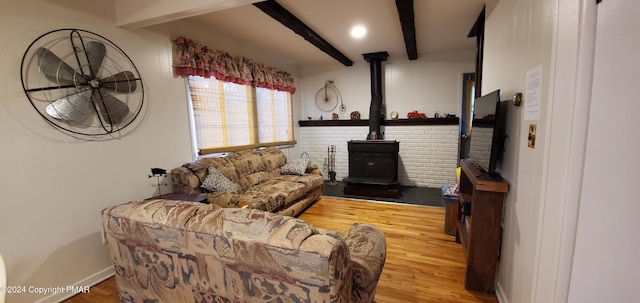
[(374, 163), (372, 167)]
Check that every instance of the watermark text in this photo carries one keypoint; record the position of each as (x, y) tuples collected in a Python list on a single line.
[(51, 290)]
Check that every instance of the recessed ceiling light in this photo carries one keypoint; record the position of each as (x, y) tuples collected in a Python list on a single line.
[(358, 31)]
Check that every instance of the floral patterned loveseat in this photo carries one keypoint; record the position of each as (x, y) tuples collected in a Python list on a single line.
[(176, 251), (261, 179)]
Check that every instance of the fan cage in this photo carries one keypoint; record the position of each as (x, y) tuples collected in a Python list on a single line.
[(68, 44)]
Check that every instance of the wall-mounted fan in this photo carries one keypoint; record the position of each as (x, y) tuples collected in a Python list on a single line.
[(81, 82)]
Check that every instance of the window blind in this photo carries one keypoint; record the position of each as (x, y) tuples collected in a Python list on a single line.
[(228, 116)]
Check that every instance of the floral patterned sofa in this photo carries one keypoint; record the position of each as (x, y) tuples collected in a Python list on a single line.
[(176, 251), (261, 179)]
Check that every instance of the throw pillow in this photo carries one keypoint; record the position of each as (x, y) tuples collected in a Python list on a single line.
[(297, 166), (216, 181)]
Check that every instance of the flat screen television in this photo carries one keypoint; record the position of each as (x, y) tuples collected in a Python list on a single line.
[(488, 131)]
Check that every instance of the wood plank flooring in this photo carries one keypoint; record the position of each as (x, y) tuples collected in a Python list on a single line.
[(423, 263)]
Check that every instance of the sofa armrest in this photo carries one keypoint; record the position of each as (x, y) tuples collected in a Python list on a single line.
[(368, 252), (184, 181), (313, 169)]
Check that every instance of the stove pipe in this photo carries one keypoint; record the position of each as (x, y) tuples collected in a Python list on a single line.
[(375, 109)]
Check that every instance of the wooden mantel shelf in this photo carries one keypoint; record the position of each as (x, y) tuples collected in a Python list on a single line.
[(398, 122)]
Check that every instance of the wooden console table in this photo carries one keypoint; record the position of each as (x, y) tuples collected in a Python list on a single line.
[(480, 206)]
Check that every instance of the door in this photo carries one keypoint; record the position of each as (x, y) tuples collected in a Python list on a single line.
[(468, 91)]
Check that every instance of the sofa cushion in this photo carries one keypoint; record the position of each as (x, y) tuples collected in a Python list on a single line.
[(272, 158), (172, 213), (215, 181), (246, 162), (311, 181), (272, 195), (226, 168), (257, 178), (267, 228)]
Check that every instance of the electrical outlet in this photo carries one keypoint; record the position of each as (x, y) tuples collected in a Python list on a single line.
[(532, 135)]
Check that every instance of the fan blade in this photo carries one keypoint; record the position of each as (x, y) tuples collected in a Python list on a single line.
[(54, 68), (112, 110), (74, 107), (95, 54), (123, 82)]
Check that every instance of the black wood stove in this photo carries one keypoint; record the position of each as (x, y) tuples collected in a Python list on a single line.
[(373, 168), (373, 163)]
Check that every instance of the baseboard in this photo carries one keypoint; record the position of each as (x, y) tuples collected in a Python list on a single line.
[(500, 294), (89, 281)]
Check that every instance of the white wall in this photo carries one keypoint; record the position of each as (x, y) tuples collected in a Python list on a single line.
[(422, 85), (520, 36), (605, 266)]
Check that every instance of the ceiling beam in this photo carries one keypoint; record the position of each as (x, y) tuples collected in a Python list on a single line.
[(478, 26), (408, 24), (279, 13), (478, 31)]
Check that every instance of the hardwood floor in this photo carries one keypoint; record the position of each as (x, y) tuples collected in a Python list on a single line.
[(103, 292), (423, 263)]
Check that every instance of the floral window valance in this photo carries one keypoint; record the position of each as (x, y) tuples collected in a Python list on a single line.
[(194, 59)]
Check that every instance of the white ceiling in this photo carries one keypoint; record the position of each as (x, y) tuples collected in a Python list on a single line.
[(442, 26)]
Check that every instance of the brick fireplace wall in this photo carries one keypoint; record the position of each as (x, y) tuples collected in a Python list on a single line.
[(428, 153)]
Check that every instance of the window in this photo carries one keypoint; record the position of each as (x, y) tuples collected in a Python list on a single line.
[(228, 116)]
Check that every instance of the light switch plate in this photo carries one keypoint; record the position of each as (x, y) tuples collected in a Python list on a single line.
[(532, 135)]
